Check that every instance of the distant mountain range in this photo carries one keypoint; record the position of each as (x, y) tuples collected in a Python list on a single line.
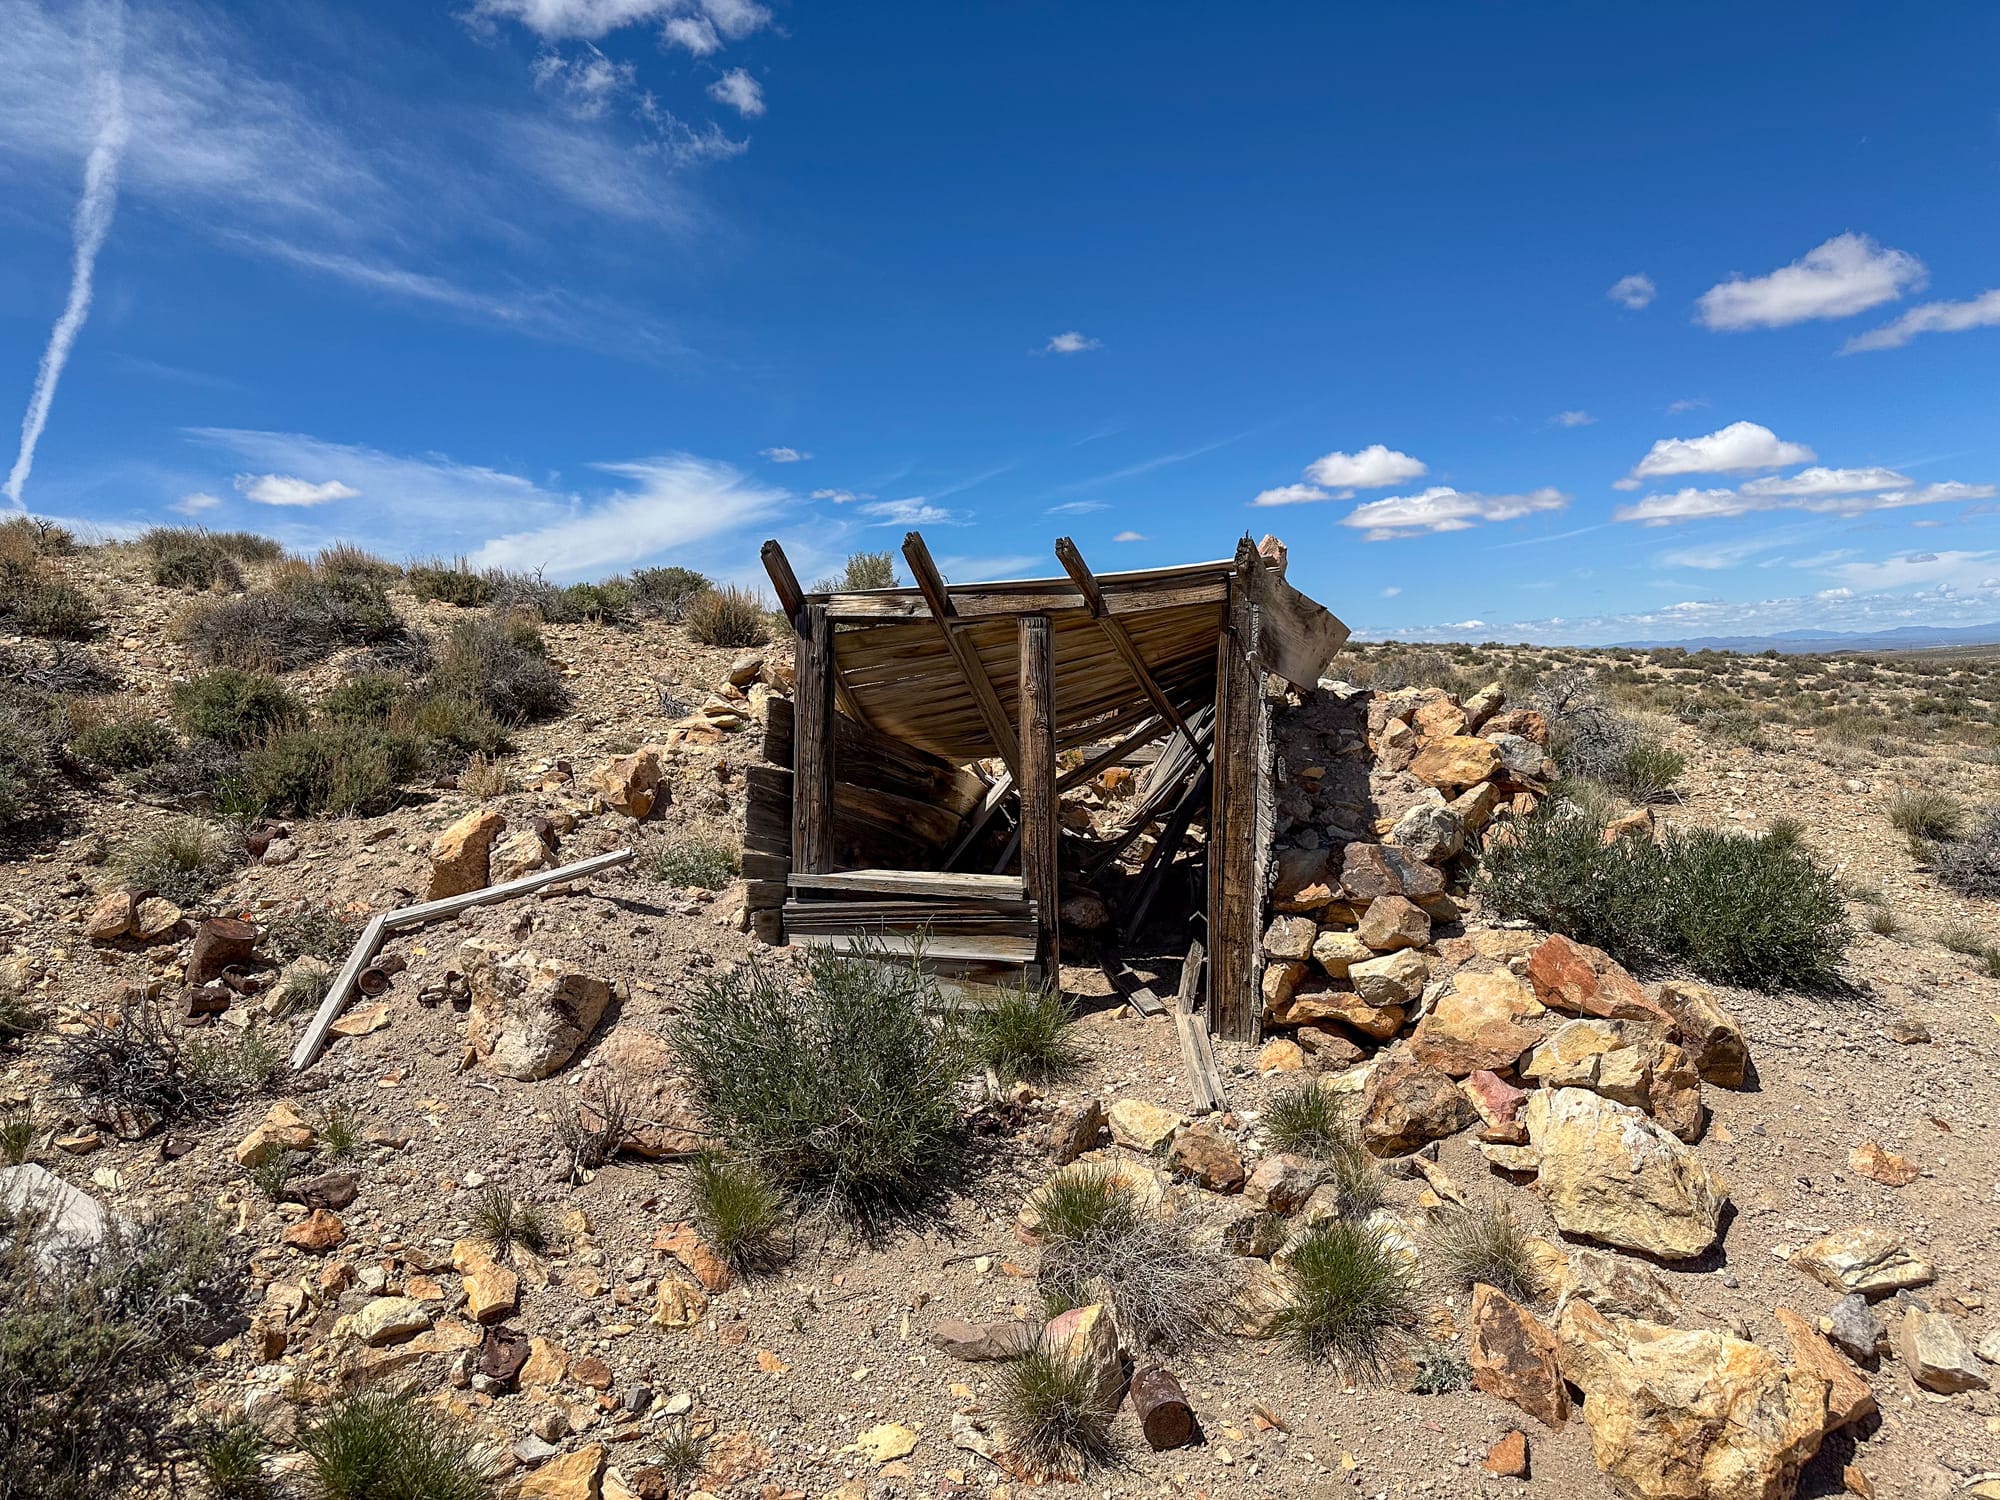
[(1799, 642)]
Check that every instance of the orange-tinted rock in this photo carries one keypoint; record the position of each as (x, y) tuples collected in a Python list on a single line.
[(1513, 1357), (1407, 1103), (1456, 762), (1509, 1456), (317, 1233), (460, 855), (1586, 981)]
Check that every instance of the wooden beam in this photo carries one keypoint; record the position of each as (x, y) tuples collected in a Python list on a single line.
[(1204, 1080), (931, 584), (812, 745), (1039, 808), (1121, 641), (791, 598), (1190, 985), (1235, 892), (792, 603)]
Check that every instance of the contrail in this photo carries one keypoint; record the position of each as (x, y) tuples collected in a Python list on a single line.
[(92, 224)]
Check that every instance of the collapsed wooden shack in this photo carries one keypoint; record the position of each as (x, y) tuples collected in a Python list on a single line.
[(914, 789)]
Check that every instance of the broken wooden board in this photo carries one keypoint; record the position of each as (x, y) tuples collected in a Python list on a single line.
[(1204, 1082), (938, 884)]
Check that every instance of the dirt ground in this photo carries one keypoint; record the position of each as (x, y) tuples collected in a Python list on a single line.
[(791, 1367)]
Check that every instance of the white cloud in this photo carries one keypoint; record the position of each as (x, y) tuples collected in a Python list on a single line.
[(1371, 468), (1076, 508), (1982, 311), (668, 504), (587, 82), (1466, 625), (1955, 569), (1686, 403), (1442, 508), (692, 32), (1129, 536), (1820, 480), (588, 20), (194, 503), (1633, 291), (915, 511), (840, 497), (1848, 274), (1071, 343), (1572, 419), (1815, 491), (784, 455), (1391, 591), (1292, 494), (286, 489), (740, 92), (1738, 448)]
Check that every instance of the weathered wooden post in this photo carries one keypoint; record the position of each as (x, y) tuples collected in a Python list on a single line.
[(812, 744), (1238, 826), (1038, 785)]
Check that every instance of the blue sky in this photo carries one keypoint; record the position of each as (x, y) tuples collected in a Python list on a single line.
[(1549, 322)]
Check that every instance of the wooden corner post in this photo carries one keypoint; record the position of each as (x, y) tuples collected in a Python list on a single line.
[(1037, 739), (812, 744), (1239, 818)]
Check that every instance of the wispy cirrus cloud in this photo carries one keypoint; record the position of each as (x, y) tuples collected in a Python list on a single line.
[(1848, 274), (1814, 491), (1982, 311)]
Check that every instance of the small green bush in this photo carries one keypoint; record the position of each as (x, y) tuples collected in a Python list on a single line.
[(1057, 1419), (1353, 1298), (455, 582), (728, 616), (664, 593), (1754, 910), (451, 729), (1305, 1120), (695, 860), (302, 988), (864, 570), (231, 1459), (499, 662), (29, 781), (183, 860), (839, 1078), (313, 930), (1100, 1243), (17, 1136), (96, 1353), (1926, 813), (195, 774), (1648, 770), (367, 696), (332, 770), (344, 560), (501, 1221), (1027, 1034), (606, 603), (187, 557), (126, 744), (736, 1208), (1471, 1244), (235, 707), (379, 1444), (302, 618), (1962, 937), (34, 603)]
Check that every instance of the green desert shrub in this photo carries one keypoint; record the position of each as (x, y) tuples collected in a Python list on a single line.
[(501, 1221), (456, 582), (736, 1208), (1479, 1243), (1026, 1032), (1970, 865), (864, 570), (695, 859), (35, 602), (1056, 1416), (1648, 770), (1099, 1243), (17, 1136), (1754, 910), (233, 706), (1963, 938), (380, 1444), (97, 1352), (728, 616), (450, 729), (331, 770), (1306, 1120), (30, 777), (367, 696), (1926, 813), (126, 744), (839, 1077), (312, 929), (664, 593), (303, 617), (1353, 1298), (301, 989), (183, 860), (231, 1460), (498, 660), (345, 560), (187, 557)]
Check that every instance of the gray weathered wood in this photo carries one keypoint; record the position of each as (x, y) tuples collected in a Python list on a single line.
[(383, 923), (991, 713), (812, 745), (1190, 985), (1235, 900), (1198, 1057), (940, 883), (1037, 771), (1114, 631)]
